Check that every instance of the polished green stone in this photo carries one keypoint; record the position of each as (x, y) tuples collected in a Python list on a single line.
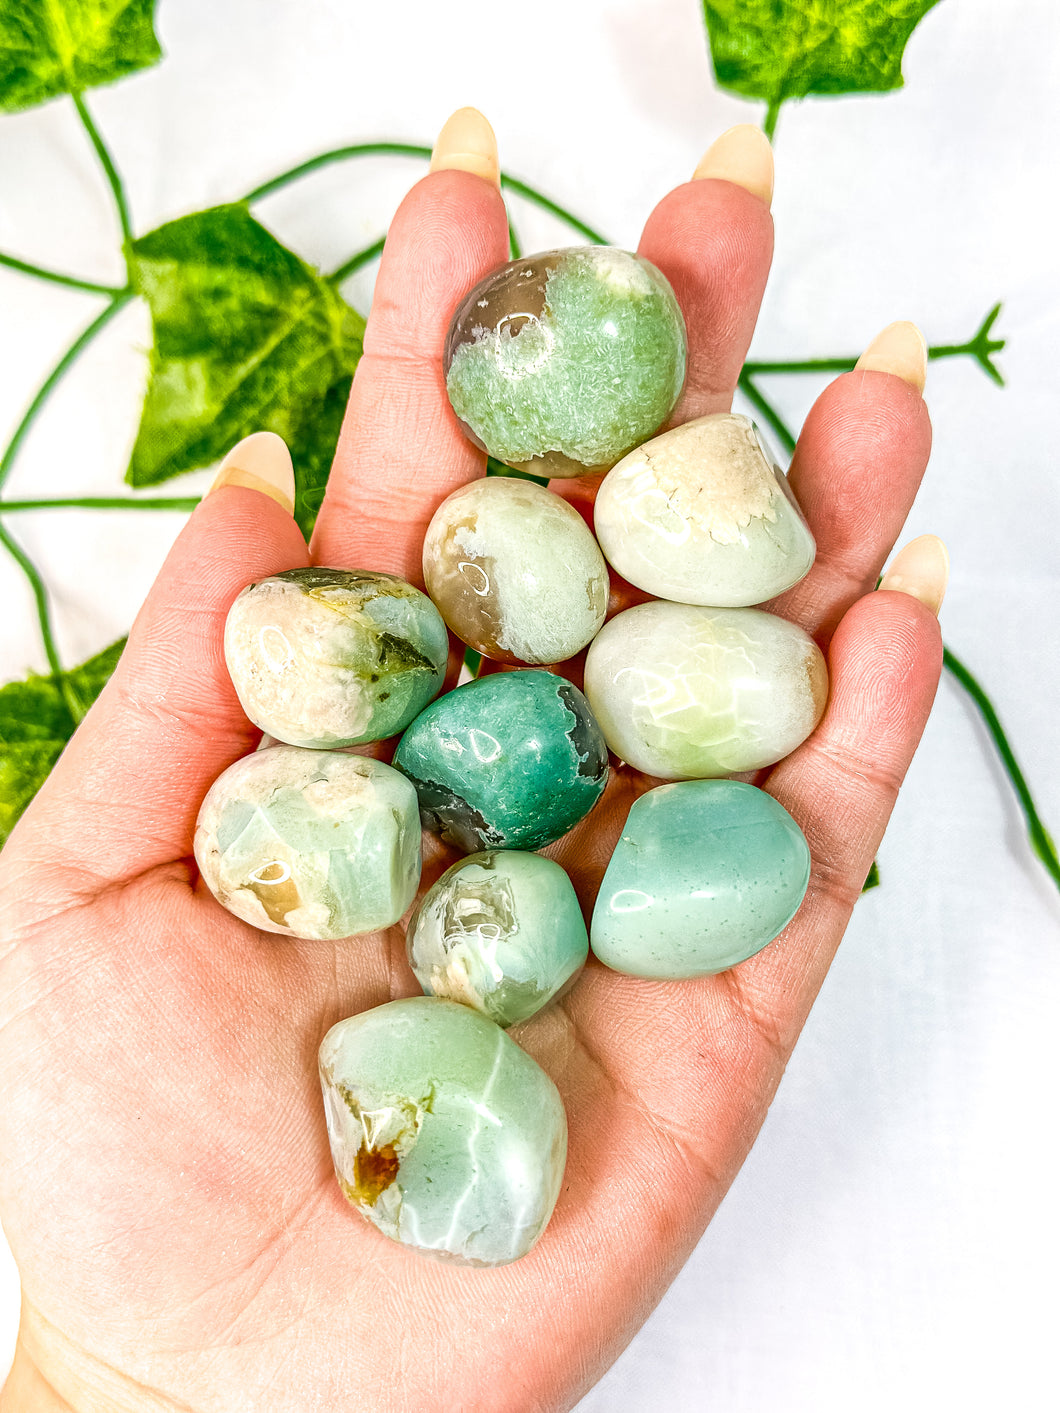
[(510, 761), (560, 363), (501, 931), (706, 873), (314, 844), (334, 657), (444, 1134)]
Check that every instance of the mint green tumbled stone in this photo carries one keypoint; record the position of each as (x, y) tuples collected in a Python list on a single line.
[(706, 873), (501, 931), (560, 363), (444, 1134), (313, 844), (333, 657)]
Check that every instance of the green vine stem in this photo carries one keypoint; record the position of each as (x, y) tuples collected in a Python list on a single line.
[(40, 594), (769, 127), (355, 262), (70, 281), (1041, 840), (185, 503), (111, 171)]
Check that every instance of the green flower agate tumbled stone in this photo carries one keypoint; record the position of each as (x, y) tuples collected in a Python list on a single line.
[(444, 1134), (682, 691), (562, 362), (515, 571), (510, 761), (706, 873), (703, 514), (501, 931), (315, 844), (333, 657)]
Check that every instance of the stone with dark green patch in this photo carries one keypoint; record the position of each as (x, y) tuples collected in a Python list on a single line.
[(332, 657), (501, 931), (561, 363), (512, 761)]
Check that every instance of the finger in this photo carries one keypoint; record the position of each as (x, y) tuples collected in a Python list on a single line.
[(856, 470), (713, 240), (124, 795), (401, 451), (840, 786)]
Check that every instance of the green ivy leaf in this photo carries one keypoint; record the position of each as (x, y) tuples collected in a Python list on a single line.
[(782, 49), (35, 725), (49, 47), (247, 338)]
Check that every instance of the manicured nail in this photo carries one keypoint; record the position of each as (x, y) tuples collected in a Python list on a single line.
[(261, 462), (900, 349), (741, 155), (921, 568), (466, 143)]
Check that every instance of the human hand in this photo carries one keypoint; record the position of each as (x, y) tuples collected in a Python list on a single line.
[(167, 1187)]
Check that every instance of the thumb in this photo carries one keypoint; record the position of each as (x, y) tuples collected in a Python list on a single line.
[(124, 795)]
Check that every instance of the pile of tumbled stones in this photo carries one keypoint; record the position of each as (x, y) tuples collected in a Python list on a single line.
[(444, 1133)]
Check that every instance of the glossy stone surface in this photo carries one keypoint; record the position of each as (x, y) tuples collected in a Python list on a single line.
[(681, 691), (333, 657), (706, 873), (515, 571), (315, 844), (703, 514), (510, 761), (501, 931), (561, 362), (444, 1134)]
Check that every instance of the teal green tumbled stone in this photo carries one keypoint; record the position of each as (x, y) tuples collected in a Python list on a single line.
[(313, 844), (501, 931), (560, 363), (334, 657), (706, 873), (510, 761), (444, 1134)]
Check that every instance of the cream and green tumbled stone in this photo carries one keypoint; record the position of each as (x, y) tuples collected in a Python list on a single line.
[(706, 874), (515, 571), (703, 514), (683, 692), (560, 363), (333, 657), (501, 931), (312, 844), (444, 1134)]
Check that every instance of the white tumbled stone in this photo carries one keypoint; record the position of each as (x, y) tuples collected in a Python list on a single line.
[(703, 514)]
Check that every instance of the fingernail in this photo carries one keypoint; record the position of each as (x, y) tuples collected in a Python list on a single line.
[(466, 143), (743, 156), (261, 462), (921, 568), (900, 349)]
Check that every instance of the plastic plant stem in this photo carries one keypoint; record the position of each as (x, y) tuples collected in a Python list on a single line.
[(355, 262), (114, 180), (1041, 840), (761, 404), (70, 281), (40, 594), (83, 339), (515, 248), (185, 503), (769, 123)]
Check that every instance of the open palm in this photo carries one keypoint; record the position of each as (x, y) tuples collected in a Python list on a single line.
[(166, 1186)]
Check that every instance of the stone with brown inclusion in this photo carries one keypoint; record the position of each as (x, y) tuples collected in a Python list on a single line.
[(515, 572)]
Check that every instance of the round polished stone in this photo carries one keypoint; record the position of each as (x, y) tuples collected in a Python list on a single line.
[(515, 571), (444, 1134), (333, 657), (703, 514), (560, 363), (706, 873), (501, 931), (315, 844), (510, 761), (682, 691)]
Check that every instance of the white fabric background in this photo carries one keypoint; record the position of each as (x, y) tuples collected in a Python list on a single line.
[(893, 1238)]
